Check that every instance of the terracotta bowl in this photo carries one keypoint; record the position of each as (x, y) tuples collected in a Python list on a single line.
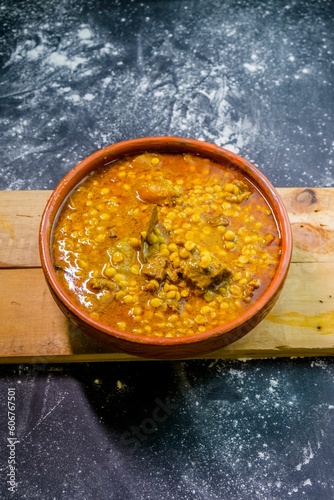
[(165, 348)]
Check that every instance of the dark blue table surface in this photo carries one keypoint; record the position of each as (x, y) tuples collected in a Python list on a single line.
[(253, 76)]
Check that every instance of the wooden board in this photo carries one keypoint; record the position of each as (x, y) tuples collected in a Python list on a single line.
[(32, 328)]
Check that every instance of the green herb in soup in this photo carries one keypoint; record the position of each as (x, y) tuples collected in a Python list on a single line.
[(165, 245)]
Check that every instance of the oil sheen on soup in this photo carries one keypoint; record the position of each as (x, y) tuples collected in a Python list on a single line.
[(165, 245)]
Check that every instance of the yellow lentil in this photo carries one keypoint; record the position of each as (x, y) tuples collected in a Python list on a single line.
[(184, 253), (189, 245), (128, 299), (110, 271), (200, 319), (156, 302), (229, 245), (229, 235), (100, 237)]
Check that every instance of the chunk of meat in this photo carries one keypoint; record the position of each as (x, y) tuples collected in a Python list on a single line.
[(216, 220), (101, 284), (160, 191), (155, 267), (202, 278)]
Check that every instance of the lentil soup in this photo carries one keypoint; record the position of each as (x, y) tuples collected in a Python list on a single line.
[(165, 245)]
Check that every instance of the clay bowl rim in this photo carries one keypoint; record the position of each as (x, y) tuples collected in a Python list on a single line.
[(170, 144)]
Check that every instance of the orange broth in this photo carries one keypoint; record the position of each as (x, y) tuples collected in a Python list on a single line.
[(165, 245)]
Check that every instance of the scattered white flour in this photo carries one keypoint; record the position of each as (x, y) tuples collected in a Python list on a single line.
[(35, 53), (75, 98), (228, 90), (61, 59), (89, 97), (253, 68), (308, 455), (273, 382), (85, 34)]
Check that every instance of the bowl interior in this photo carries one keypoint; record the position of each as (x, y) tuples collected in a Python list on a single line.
[(167, 145)]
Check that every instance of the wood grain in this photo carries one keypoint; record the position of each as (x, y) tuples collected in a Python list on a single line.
[(20, 215), (34, 330)]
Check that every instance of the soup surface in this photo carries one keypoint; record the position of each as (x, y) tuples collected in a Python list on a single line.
[(165, 244)]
